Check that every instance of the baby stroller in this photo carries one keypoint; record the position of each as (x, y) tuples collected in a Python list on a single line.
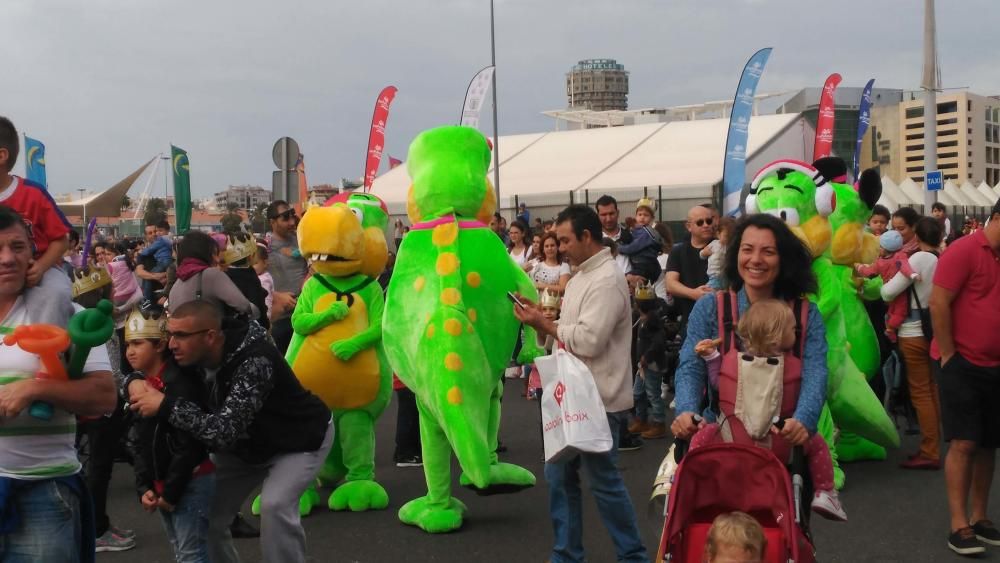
[(724, 477)]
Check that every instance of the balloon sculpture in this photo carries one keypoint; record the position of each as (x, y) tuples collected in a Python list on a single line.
[(449, 328), (829, 217), (336, 351)]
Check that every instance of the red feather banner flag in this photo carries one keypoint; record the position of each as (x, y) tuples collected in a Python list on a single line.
[(823, 145), (376, 138)]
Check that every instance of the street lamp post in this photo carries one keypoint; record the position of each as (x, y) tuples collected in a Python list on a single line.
[(496, 136)]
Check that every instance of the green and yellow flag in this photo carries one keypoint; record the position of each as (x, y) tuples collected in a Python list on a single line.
[(182, 188)]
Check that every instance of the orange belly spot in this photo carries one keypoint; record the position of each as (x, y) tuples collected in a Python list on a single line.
[(341, 385)]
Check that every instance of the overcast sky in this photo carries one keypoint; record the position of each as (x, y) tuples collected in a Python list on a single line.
[(107, 84)]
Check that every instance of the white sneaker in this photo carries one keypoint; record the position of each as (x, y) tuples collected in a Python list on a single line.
[(827, 505)]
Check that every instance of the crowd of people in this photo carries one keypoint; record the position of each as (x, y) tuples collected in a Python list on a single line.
[(194, 380)]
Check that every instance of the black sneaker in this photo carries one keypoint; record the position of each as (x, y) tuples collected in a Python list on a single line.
[(410, 461), (986, 532), (629, 443), (964, 542)]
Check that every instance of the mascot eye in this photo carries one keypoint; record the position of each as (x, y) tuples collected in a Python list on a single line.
[(358, 213)]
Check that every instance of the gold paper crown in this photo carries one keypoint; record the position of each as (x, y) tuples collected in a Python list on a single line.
[(549, 300), (645, 291), (151, 324), (646, 202), (88, 279), (239, 246)]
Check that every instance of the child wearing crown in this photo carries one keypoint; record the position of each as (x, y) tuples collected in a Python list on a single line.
[(651, 348), (550, 309), (173, 472)]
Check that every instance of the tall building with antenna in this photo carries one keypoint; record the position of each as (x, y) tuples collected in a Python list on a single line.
[(598, 85)]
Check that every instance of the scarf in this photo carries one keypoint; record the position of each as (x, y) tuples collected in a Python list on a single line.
[(189, 267), (911, 247)]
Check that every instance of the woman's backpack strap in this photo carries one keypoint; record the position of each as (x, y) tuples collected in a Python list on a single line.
[(800, 307), (728, 316)]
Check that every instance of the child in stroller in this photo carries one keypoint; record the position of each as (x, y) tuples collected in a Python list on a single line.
[(767, 330), (735, 537)]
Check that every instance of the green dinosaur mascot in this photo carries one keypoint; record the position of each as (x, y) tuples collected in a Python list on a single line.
[(824, 214), (336, 351), (449, 327)]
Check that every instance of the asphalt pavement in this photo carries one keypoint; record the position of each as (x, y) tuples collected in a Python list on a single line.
[(894, 515)]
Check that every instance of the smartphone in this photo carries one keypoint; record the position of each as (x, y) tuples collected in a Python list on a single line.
[(513, 298)]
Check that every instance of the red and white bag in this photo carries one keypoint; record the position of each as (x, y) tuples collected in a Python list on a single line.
[(573, 415)]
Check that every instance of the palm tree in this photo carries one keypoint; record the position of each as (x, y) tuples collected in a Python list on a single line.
[(258, 218), (126, 202), (156, 211), (232, 219)]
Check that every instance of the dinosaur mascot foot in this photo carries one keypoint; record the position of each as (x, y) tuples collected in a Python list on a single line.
[(358, 496), (504, 478), (309, 500), (851, 447), (433, 518)]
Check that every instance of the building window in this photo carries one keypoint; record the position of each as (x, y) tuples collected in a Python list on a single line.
[(915, 137), (950, 121), (914, 168), (947, 155), (968, 105), (916, 158), (949, 107), (913, 113), (943, 144), (948, 166)]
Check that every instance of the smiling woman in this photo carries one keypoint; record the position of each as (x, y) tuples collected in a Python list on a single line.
[(764, 260)]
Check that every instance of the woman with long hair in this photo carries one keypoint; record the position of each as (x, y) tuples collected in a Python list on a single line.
[(519, 249), (551, 273)]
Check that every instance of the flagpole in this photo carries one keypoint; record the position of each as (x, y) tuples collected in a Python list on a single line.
[(496, 139)]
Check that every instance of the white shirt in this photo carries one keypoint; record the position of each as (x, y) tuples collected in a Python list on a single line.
[(623, 262), (716, 262), (660, 287), (543, 273), (30, 448), (520, 258), (923, 263)]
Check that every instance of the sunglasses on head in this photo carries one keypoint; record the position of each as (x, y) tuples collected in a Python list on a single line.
[(701, 222), (286, 214)]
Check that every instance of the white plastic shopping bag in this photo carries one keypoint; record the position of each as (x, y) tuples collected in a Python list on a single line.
[(573, 416)]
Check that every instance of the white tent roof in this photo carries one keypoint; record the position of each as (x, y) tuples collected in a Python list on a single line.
[(684, 158), (974, 196), (951, 195), (987, 192), (912, 190), (895, 194)]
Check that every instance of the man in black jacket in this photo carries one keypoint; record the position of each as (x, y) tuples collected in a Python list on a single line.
[(262, 426)]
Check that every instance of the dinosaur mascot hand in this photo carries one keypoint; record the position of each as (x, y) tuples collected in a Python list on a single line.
[(345, 349), (337, 311)]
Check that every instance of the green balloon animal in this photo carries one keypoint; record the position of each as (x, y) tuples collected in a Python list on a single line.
[(829, 217), (449, 329)]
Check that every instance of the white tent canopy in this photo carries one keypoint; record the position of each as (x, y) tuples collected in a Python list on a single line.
[(973, 195), (986, 191), (682, 158)]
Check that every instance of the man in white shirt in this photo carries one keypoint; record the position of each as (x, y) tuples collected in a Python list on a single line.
[(595, 326), (607, 211), (46, 507)]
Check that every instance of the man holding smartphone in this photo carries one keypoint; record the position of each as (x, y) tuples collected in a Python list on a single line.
[(595, 326)]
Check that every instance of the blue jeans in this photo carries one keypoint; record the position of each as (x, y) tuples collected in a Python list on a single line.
[(647, 393), (51, 526), (613, 503), (187, 525)]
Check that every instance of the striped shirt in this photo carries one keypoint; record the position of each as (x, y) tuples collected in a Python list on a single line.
[(31, 448)]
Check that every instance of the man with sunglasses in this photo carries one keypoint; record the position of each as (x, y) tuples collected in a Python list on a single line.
[(262, 427), (287, 267), (687, 271)]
